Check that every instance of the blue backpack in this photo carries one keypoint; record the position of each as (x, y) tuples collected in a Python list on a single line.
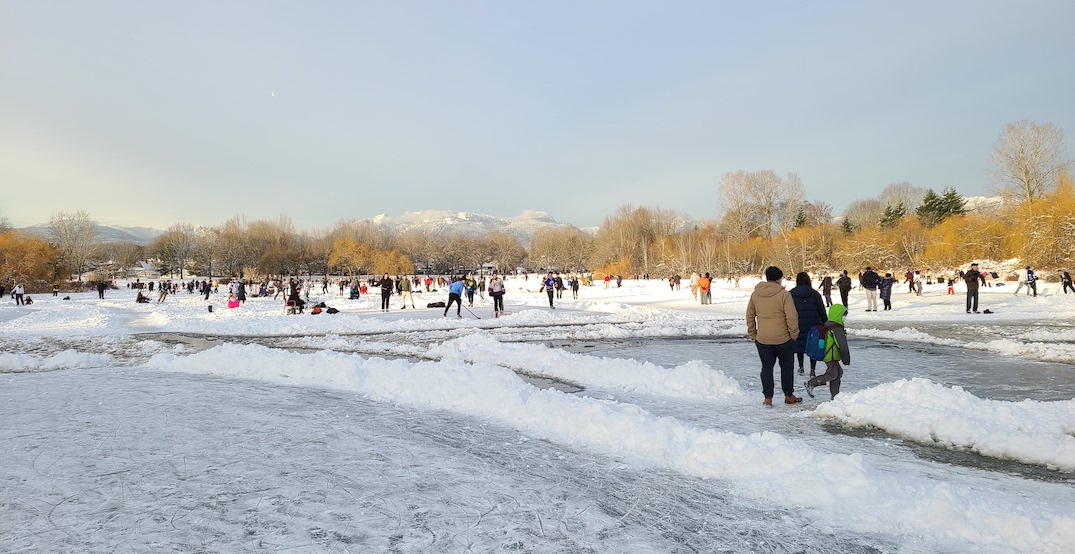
[(816, 342)]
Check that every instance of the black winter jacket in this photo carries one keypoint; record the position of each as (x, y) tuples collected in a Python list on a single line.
[(811, 310)]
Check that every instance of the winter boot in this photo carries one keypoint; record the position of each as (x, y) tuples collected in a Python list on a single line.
[(767, 402), (792, 399)]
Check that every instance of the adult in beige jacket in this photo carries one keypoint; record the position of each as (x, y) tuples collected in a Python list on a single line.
[(773, 324)]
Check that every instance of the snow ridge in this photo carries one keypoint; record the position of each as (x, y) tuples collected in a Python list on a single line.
[(1032, 432)]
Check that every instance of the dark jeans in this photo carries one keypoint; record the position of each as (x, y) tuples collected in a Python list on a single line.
[(1032, 286), (453, 297), (498, 302), (828, 299), (770, 354), (551, 292), (843, 297), (972, 300), (1067, 286), (385, 295)]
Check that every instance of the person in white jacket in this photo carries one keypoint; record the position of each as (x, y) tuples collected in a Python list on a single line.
[(18, 291)]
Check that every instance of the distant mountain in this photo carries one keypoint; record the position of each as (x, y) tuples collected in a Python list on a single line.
[(108, 233), (522, 226)]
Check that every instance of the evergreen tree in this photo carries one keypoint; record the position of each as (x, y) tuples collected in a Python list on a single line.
[(952, 203), (848, 227), (892, 215), (935, 209), (800, 219)]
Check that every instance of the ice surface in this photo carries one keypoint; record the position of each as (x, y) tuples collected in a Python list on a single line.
[(170, 428)]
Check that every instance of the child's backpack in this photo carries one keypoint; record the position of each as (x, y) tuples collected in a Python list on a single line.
[(819, 341), (332, 311)]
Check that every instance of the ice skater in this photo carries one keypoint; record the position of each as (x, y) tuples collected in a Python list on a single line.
[(549, 286), (455, 294)]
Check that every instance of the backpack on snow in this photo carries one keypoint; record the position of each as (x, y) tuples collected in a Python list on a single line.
[(819, 341), (332, 311)]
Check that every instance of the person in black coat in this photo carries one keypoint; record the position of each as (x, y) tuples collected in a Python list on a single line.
[(811, 310), (886, 290), (826, 289), (844, 284)]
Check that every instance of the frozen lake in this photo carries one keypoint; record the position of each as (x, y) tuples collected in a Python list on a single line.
[(637, 428)]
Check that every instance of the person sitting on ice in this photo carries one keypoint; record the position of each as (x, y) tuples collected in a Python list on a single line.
[(141, 298), (233, 301)]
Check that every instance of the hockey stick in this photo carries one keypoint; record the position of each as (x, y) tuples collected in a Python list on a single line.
[(471, 313)]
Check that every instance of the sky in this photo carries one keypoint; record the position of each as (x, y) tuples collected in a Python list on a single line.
[(149, 114)]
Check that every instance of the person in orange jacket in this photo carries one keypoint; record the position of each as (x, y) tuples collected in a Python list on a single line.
[(704, 283)]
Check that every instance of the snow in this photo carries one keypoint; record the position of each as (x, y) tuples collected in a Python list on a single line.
[(168, 427), (921, 410)]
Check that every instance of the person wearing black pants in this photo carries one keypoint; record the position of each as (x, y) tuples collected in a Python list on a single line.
[(972, 278), (549, 286), (844, 284), (1065, 279), (455, 294), (387, 286)]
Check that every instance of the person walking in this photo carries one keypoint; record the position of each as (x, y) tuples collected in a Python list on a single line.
[(406, 293), (387, 286), (972, 278), (869, 282), (101, 286), (773, 325), (549, 286), (844, 284), (810, 309), (694, 284), (826, 289), (885, 289), (496, 290), (837, 351), (1065, 280), (17, 292), (704, 282), (575, 286), (455, 294)]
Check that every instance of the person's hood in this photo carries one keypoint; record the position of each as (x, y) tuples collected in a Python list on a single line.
[(837, 313), (768, 288), (802, 291)]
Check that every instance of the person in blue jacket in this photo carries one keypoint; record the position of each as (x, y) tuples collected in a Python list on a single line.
[(549, 286), (811, 309), (455, 294)]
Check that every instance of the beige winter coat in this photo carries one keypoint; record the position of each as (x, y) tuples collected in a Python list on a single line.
[(771, 315)]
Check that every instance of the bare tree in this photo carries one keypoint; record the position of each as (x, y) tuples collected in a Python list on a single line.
[(175, 246), (75, 236), (759, 203), (1028, 158), (864, 214), (902, 192), (505, 252)]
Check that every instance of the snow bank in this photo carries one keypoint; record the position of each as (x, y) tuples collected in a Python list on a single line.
[(923, 411), (694, 380), (68, 359), (763, 465), (1045, 352)]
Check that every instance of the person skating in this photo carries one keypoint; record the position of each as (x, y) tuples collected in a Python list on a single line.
[(496, 290), (469, 286), (406, 292), (869, 281), (559, 287), (455, 294), (885, 289), (811, 311), (704, 282), (1031, 280), (101, 286), (837, 352), (575, 287), (826, 289), (844, 284), (387, 286), (773, 325), (549, 286), (17, 292), (1065, 280), (972, 278)]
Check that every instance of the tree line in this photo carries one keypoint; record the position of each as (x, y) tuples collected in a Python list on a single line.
[(764, 219)]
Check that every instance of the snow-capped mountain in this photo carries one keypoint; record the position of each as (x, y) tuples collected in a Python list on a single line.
[(522, 226), (109, 233)]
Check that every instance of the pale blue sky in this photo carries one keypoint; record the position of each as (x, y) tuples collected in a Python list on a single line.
[(150, 113)]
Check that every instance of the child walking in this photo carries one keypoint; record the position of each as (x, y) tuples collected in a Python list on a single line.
[(836, 351)]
